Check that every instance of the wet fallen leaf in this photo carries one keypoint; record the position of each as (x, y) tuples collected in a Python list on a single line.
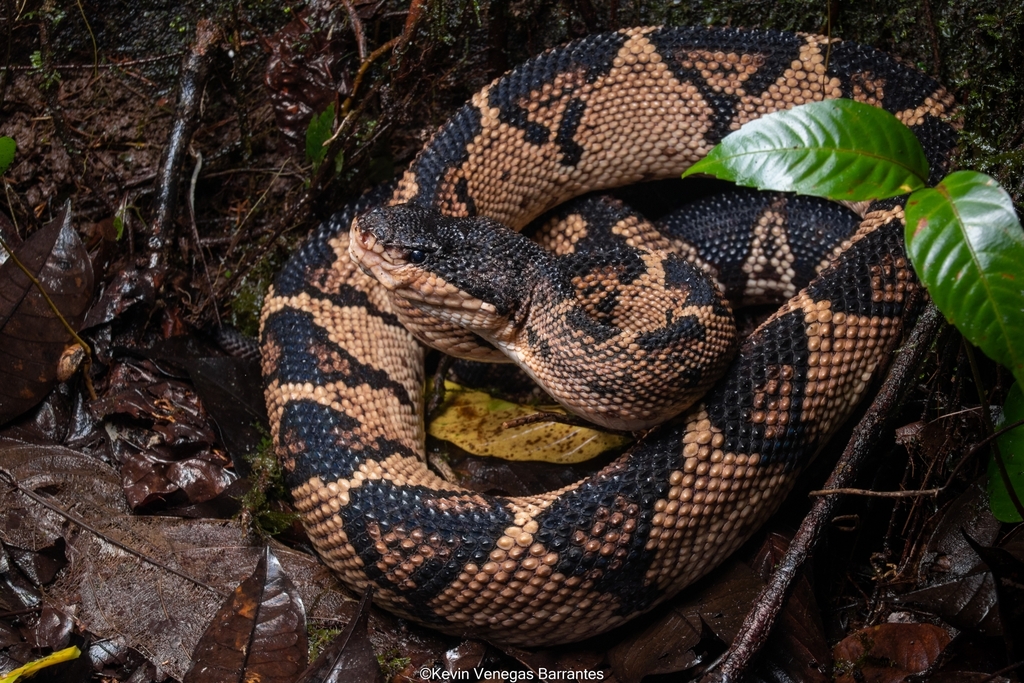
[(797, 645), (258, 634), (473, 420), (566, 662), (466, 656), (888, 653), (122, 584), (667, 645), (167, 450), (1008, 572), (306, 71), (32, 338), (53, 630), (232, 392), (957, 586), (349, 658)]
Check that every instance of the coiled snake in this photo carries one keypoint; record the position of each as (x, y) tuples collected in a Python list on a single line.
[(344, 377)]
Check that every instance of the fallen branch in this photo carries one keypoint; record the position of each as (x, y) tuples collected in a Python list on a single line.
[(757, 626), (190, 93)]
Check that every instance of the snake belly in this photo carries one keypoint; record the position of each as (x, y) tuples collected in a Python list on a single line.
[(344, 378)]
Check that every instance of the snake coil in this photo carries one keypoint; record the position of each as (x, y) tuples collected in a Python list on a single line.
[(344, 376)]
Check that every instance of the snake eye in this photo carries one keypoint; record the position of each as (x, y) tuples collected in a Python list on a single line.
[(417, 256)]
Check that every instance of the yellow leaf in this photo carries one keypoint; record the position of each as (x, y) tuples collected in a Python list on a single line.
[(65, 655), (472, 421)]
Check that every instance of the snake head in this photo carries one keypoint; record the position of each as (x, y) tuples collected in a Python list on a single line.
[(390, 243), (455, 269)]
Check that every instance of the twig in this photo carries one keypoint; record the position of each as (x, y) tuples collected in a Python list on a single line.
[(193, 78), (5, 76), (92, 37), (934, 37), (756, 627), (363, 68), (924, 492), (437, 390), (70, 516), (195, 235), (416, 10), (1005, 670), (86, 67), (357, 29), (977, 447), (876, 494)]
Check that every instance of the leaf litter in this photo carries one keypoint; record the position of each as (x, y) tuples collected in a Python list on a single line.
[(172, 430)]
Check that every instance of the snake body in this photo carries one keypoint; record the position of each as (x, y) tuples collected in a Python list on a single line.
[(344, 375)]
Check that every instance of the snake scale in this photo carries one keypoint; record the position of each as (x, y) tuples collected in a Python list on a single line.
[(344, 377)]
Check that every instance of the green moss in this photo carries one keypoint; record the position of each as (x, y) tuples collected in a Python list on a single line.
[(318, 639), (391, 663), (250, 294), (266, 480)]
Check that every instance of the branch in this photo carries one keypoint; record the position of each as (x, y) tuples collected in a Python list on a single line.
[(757, 626)]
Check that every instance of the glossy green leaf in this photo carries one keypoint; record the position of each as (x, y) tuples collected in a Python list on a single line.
[(320, 129), (472, 420), (967, 246), (839, 149), (1011, 449), (7, 148)]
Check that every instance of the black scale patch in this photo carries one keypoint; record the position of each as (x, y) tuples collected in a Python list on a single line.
[(721, 229), (850, 288), (457, 538), (588, 512), (325, 439), (781, 343), (309, 355), (447, 150), (572, 151)]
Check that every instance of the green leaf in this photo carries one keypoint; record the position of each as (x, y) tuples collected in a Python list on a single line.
[(1011, 448), (967, 246), (320, 129), (472, 421), (7, 147), (838, 149)]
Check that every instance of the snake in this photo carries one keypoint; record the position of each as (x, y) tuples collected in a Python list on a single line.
[(344, 375)]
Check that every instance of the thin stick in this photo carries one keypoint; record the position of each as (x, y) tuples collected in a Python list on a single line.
[(193, 79), (877, 494), (195, 235), (357, 28)]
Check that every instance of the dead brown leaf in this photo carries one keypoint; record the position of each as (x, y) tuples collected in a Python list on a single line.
[(258, 634), (888, 653), (349, 658), (32, 338), (152, 583)]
